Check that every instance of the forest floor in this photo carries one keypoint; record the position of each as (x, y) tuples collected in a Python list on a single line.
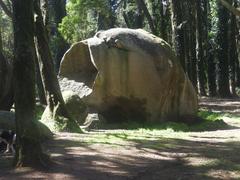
[(144, 154)]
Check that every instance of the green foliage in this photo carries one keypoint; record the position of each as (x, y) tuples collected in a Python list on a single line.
[(81, 20), (210, 116), (213, 18)]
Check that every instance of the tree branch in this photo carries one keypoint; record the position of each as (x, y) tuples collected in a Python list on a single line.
[(235, 11), (5, 9)]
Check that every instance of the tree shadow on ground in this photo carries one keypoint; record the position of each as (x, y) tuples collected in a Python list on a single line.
[(138, 159), (231, 106)]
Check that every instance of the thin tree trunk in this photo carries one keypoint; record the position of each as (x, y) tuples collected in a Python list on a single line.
[(212, 86), (233, 56), (210, 54), (200, 48), (164, 22), (59, 8), (29, 150), (177, 29), (39, 82), (192, 67), (49, 77), (143, 6)]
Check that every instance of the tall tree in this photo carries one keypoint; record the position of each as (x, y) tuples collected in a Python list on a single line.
[(142, 5), (177, 29), (233, 56), (222, 50), (29, 150), (59, 12), (107, 20), (133, 17), (192, 62), (49, 77), (200, 46), (211, 56)]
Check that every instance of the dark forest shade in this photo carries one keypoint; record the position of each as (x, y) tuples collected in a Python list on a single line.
[(222, 51)]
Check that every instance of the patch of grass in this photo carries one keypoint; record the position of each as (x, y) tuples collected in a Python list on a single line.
[(210, 116), (213, 116), (211, 121), (39, 111)]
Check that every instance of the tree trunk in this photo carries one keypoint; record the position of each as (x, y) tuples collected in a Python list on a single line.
[(222, 51), (165, 23), (141, 4), (177, 29), (210, 54), (49, 77), (192, 66), (233, 56), (200, 50), (29, 150), (59, 8), (39, 82), (211, 70), (133, 18)]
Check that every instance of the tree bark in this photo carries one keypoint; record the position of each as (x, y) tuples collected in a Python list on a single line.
[(143, 6), (59, 9), (200, 48), (233, 56), (192, 66), (177, 29), (222, 51), (39, 82), (29, 150)]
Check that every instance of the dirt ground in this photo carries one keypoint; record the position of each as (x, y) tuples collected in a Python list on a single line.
[(177, 156)]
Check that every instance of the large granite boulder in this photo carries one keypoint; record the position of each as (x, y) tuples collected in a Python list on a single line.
[(133, 75)]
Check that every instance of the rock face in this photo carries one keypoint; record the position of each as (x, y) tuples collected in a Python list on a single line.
[(76, 106), (77, 110), (133, 75)]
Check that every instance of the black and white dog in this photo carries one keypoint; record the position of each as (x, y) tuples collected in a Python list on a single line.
[(8, 137)]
